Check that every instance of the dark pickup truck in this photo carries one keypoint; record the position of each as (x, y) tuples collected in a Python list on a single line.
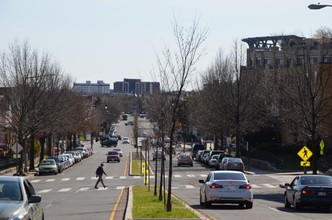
[(109, 141)]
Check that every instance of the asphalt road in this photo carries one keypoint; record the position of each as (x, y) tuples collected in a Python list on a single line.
[(71, 194)]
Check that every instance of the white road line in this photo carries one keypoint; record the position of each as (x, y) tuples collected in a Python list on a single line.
[(190, 187), (50, 180), (174, 187), (35, 181), (109, 177), (190, 175), (203, 175), (122, 177), (177, 175), (82, 189), (120, 187), (65, 179), (80, 178), (137, 177), (64, 190), (269, 185), (45, 191), (255, 186)]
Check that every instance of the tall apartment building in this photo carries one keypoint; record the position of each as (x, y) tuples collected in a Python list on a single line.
[(283, 51), (136, 86), (88, 88)]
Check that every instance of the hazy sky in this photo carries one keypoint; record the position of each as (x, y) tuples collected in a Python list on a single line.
[(114, 39)]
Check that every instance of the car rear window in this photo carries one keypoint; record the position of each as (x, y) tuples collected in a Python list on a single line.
[(234, 160), (229, 176)]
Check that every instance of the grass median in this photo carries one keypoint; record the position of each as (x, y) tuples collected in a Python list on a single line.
[(146, 205)]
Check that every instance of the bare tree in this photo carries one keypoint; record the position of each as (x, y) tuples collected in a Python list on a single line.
[(306, 89), (175, 70), (31, 81), (235, 94)]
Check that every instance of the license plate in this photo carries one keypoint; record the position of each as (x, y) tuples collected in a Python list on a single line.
[(231, 187), (322, 193)]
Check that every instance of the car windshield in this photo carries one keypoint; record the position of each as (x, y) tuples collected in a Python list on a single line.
[(229, 176), (47, 162), (10, 191), (115, 149), (184, 156)]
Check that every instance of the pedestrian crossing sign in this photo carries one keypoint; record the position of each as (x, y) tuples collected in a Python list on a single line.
[(304, 153)]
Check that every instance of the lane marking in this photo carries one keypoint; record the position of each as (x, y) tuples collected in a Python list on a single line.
[(64, 190), (116, 206), (45, 191)]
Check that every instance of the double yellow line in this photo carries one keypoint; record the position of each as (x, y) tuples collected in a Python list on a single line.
[(120, 196)]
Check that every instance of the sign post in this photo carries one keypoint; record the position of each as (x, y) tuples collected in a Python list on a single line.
[(305, 153)]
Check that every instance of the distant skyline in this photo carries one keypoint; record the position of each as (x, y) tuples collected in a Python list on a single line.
[(111, 40)]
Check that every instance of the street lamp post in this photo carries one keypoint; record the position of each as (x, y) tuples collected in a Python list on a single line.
[(318, 6)]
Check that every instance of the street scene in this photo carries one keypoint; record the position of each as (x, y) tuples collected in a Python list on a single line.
[(124, 110)]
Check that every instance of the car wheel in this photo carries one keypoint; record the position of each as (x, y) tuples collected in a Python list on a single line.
[(249, 205), (207, 204), (200, 199), (286, 202), (118, 161), (297, 205), (108, 161)]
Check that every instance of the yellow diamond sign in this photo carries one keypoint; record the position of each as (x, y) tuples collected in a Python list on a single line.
[(304, 153)]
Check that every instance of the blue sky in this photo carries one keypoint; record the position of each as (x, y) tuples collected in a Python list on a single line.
[(114, 39)]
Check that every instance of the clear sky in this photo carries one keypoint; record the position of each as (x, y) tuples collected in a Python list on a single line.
[(111, 40)]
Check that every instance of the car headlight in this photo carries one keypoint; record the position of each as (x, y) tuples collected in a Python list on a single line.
[(16, 217)]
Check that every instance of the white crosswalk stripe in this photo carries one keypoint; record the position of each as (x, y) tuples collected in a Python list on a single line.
[(177, 176), (109, 177), (82, 189), (64, 190), (190, 187), (50, 180), (255, 186), (269, 185), (65, 179), (80, 178), (35, 181), (122, 177), (44, 191)]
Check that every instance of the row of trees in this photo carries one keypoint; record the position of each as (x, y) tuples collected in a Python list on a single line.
[(237, 99), (38, 103)]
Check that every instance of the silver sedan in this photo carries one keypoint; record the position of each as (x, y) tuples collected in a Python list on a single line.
[(226, 187), (18, 199)]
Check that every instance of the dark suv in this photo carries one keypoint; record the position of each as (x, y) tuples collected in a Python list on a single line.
[(113, 156), (109, 141)]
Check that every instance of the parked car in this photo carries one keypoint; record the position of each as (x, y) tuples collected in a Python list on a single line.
[(196, 147), (113, 156), (308, 190), (129, 123), (232, 163), (60, 162), (185, 159), (119, 151), (70, 158), (18, 199), (84, 151), (213, 161), (199, 155), (226, 187), (203, 154), (219, 160), (48, 166), (76, 155), (158, 155), (125, 140)]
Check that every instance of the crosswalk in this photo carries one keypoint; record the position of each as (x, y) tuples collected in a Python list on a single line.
[(84, 180)]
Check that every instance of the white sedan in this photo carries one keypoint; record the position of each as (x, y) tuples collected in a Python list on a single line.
[(226, 187)]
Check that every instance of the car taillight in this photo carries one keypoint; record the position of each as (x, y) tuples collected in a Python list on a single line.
[(245, 186), (307, 191), (215, 186)]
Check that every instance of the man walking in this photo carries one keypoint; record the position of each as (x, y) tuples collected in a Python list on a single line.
[(99, 174)]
